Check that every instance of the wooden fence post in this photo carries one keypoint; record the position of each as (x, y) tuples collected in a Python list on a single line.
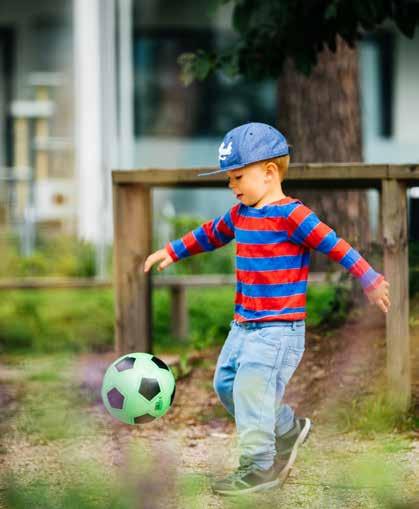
[(179, 312), (396, 271), (132, 227)]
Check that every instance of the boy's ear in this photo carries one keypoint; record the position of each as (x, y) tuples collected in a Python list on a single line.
[(270, 168)]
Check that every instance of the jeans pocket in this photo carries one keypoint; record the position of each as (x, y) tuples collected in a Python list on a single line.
[(293, 356), (263, 333), (270, 335), (290, 361), (261, 349)]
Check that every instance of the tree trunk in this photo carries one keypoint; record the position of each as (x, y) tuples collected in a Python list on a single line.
[(320, 116)]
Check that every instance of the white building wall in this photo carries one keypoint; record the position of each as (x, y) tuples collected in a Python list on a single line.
[(96, 133), (403, 145), (21, 16), (88, 118), (406, 106), (96, 136)]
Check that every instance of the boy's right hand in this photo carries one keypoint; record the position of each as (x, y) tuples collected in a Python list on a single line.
[(160, 255)]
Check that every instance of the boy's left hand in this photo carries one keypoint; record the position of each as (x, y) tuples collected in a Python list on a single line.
[(380, 296)]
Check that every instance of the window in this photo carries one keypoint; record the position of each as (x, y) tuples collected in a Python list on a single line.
[(165, 107), (386, 55), (381, 44)]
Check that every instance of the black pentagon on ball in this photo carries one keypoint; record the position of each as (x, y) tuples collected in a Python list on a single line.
[(125, 363), (143, 418), (159, 363), (115, 398), (172, 397), (149, 388)]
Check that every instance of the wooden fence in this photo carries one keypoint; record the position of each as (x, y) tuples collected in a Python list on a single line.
[(178, 285), (179, 319), (133, 228)]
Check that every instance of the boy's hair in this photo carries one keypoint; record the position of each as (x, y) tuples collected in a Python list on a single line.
[(282, 164)]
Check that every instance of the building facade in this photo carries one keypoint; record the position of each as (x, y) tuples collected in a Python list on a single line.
[(88, 86)]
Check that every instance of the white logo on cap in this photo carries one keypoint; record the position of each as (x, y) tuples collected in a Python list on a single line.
[(223, 151)]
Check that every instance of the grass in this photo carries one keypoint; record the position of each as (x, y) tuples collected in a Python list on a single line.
[(52, 404), (83, 320), (372, 414), (90, 489), (54, 321), (352, 469), (371, 479)]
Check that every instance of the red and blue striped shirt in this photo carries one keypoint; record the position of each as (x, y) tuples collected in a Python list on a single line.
[(272, 256)]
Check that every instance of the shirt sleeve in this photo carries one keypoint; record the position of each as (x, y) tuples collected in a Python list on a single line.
[(207, 237), (306, 229)]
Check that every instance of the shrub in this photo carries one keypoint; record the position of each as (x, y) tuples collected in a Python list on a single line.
[(57, 320), (83, 320), (219, 261), (62, 255)]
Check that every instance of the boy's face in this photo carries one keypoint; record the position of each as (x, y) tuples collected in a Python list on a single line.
[(249, 184)]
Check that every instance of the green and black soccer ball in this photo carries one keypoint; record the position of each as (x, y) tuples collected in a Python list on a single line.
[(138, 388)]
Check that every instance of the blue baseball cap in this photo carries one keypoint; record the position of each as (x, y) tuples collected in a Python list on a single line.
[(248, 144)]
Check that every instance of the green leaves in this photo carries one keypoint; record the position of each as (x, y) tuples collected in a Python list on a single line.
[(272, 30), (195, 66), (331, 10), (406, 17)]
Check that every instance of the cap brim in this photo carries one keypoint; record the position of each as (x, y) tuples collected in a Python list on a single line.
[(281, 153), (211, 173)]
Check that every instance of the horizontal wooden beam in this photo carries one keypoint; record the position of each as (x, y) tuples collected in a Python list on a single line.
[(193, 280), (341, 174), (51, 283), (225, 279), (59, 283)]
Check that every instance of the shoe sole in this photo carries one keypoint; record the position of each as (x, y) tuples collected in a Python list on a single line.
[(260, 487), (302, 437)]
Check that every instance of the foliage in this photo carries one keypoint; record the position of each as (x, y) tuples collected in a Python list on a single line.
[(85, 483), (83, 320), (56, 320), (52, 406), (371, 414), (63, 453), (329, 304), (53, 256), (219, 261), (374, 471), (375, 254), (210, 312), (272, 30)]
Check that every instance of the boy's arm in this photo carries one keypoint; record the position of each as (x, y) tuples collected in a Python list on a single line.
[(207, 237), (305, 228)]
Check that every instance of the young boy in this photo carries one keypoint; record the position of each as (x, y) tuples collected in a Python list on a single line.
[(274, 234)]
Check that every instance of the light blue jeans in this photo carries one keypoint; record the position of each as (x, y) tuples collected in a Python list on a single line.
[(255, 364)]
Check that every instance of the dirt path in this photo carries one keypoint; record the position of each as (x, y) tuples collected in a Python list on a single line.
[(196, 439)]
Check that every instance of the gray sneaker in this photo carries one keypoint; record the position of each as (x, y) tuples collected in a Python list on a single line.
[(246, 479), (287, 445)]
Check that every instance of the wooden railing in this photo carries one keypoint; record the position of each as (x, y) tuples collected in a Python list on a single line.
[(178, 285), (133, 222)]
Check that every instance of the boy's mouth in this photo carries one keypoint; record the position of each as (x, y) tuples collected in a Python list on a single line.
[(239, 195)]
